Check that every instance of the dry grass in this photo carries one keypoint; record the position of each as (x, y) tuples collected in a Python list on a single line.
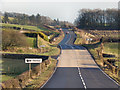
[(39, 81)]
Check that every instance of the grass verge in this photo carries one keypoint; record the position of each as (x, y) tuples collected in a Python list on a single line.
[(12, 67), (109, 48), (39, 81), (78, 40)]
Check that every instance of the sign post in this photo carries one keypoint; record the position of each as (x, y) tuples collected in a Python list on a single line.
[(29, 69), (33, 60), (42, 46)]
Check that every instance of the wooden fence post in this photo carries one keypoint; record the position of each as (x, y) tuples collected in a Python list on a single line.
[(101, 54)]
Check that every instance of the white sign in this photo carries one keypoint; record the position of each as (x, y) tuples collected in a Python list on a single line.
[(91, 39), (42, 45), (48, 37), (87, 39), (33, 60)]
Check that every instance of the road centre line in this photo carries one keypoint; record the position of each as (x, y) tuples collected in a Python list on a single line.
[(104, 72), (78, 67), (82, 79), (68, 39), (80, 74)]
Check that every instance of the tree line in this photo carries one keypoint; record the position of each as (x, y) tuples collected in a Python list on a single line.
[(98, 19), (36, 20)]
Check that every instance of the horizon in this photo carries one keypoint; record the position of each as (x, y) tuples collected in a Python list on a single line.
[(64, 11)]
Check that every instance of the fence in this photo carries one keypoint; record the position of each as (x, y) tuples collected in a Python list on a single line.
[(106, 64), (20, 81)]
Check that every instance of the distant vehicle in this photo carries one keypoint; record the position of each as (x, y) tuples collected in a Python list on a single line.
[(67, 32), (60, 29)]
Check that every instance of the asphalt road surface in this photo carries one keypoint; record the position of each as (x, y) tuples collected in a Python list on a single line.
[(76, 69)]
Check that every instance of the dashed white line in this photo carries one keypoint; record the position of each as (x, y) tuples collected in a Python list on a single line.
[(104, 72), (80, 74), (68, 40), (82, 79)]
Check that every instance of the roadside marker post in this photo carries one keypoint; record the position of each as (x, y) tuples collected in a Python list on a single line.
[(29, 69), (42, 46), (33, 60)]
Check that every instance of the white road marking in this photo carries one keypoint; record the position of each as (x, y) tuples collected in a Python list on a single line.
[(103, 71), (50, 76), (77, 67), (108, 76), (82, 79), (80, 74), (68, 40)]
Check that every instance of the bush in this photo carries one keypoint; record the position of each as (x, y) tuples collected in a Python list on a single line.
[(11, 84), (13, 38)]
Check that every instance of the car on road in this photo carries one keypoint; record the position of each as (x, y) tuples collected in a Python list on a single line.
[(60, 29), (67, 32)]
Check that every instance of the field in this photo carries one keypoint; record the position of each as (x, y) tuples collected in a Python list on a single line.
[(26, 27), (13, 67), (105, 33), (31, 41), (112, 48), (10, 18)]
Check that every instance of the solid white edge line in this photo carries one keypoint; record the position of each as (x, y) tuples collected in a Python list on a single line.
[(104, 72), (50, 76), (55, 68), (53, 72)]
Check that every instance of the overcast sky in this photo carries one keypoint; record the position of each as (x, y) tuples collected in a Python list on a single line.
[(63, 9)]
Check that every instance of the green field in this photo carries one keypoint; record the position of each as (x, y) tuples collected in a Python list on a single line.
[(13, 67), (31, 42), (22, 27), (78, 40), (111, 48), (10, 18)]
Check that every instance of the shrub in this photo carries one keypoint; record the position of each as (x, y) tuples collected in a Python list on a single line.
[(13, 38), (11, 84)]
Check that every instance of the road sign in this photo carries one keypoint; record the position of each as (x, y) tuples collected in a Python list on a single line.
[(87, 39), (91, 39), (48, 37), (42, 45), (33, 60)]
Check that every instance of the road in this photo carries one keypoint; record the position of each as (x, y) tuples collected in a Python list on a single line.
[(76, 69)]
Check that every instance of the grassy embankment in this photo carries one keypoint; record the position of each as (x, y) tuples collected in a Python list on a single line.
[(39, 81), (47, 50), (113, 49), (10, 66), (79, 39)]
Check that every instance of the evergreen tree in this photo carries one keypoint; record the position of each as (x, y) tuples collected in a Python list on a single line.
[(5, 19)]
